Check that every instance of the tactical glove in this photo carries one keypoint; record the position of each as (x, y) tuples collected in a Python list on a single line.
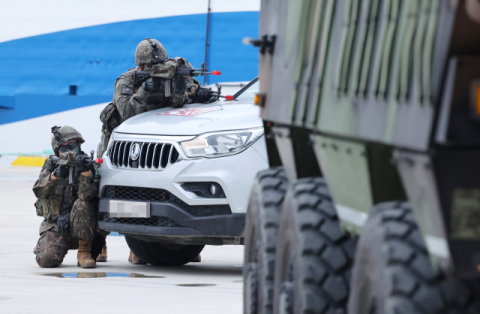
[(152, 84), (83, 162), (203, 95), (61, 172), (179, 84)]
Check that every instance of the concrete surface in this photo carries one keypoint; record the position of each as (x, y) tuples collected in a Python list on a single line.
[(24, 290)]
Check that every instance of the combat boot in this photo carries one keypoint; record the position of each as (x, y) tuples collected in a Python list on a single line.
[(102, 257), (84, 255), (132, 258)]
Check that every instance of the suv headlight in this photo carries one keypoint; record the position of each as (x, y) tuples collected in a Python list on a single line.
[(221, 144)]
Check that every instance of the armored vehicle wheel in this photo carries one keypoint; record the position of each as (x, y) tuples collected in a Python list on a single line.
[(163, 254), (314, 257), (393, 273), (261, 229)]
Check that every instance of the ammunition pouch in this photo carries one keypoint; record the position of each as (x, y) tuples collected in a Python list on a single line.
[(53, 205)]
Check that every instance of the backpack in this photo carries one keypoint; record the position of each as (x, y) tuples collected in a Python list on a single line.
[(110, 118)]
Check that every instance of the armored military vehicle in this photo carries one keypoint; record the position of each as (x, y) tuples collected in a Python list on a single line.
[(372, 116)]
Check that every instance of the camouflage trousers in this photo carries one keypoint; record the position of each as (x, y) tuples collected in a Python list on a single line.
[(101, 149), (103, 145), (53, 245)]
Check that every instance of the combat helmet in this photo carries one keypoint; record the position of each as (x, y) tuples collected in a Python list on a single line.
[(62, 134), (150, 51)]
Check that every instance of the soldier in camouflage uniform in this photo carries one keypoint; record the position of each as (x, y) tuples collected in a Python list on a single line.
[(130, 99), (77, 230)]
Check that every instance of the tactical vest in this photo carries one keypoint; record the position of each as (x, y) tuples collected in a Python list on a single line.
[(49, 207)]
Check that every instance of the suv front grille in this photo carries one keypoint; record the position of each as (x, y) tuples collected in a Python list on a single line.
[(151, 156), (159, 195)]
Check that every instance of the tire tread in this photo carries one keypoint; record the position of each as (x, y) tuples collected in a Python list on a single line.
[(271, 186), (326, 251)]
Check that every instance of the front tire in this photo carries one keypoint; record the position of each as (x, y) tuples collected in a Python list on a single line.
[(261, 230), (314, 256), (163, 254)]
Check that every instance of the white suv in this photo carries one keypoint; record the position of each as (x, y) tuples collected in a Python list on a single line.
[(174, 180)]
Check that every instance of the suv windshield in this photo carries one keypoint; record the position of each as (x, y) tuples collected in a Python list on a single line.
[(248, 92)]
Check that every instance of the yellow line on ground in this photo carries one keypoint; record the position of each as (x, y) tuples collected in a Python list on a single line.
[(29, 161)]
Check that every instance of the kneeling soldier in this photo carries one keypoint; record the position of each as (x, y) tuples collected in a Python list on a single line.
[(67, 190)]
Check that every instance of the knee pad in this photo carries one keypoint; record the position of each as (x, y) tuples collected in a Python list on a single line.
[(51, 256), (51, 249), (46, 261)]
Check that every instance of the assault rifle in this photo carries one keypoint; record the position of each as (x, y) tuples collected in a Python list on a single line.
[(71, 161), (170, 69)]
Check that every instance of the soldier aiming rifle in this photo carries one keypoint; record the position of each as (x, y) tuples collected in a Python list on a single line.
[(155, 83), (67, 192)]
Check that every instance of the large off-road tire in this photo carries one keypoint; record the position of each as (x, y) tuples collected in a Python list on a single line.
[(163, 254), (261, 228), (314, 256), (393, 273)]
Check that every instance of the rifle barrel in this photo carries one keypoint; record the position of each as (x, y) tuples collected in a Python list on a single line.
[(196, 71)]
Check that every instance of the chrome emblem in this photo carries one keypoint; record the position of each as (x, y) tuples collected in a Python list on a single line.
[(134, 152)]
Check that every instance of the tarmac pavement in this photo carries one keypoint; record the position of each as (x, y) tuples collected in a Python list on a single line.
[(212, 286)]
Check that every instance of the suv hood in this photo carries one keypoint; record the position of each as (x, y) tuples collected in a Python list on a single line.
[(194, 119)]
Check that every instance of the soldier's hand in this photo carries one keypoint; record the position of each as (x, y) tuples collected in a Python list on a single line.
[(203, 95), (86, 173), (149, 85), (61, 172), (83, 163), (179, 84), (152, 84)]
